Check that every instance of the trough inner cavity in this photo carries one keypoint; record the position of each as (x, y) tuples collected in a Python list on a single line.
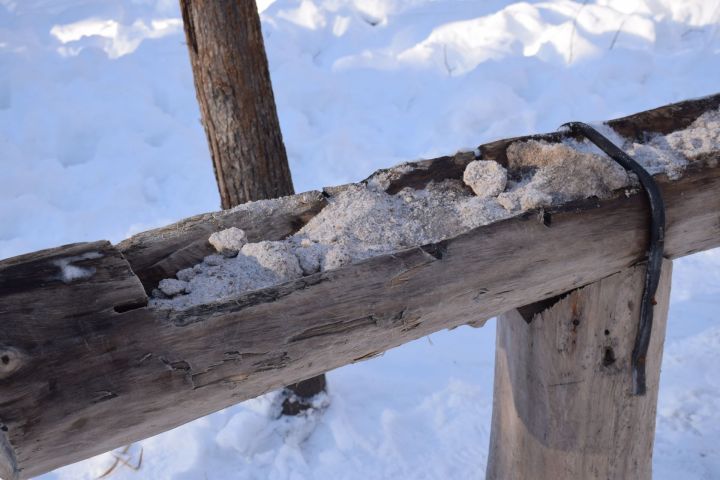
[(363, 220)]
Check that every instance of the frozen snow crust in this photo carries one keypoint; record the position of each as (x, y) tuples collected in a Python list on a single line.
[(362, 220)]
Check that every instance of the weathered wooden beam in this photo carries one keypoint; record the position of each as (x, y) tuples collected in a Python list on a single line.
[(563, 403), (62, 327), (162, 252), (89, 368), (89, 375)]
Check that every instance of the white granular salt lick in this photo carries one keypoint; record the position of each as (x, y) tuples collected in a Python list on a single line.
[(258, 265), (362, 220), (670, 153), (276, 257), (366, 221), (702, 136), (337, 256), (228, 241), (485, 178), (172, 286), (559, 173), (309, 254)]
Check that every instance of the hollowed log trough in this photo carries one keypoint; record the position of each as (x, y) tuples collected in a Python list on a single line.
[(86, 366)]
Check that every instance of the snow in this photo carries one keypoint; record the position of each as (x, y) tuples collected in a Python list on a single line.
[(100, 138), (70, 273)]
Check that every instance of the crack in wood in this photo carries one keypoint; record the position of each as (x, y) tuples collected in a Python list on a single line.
[(437, 250), (563, 384), (126, 307), (335, 328), (103, 396), (368, 356), (176, 365), (9, 466), (143, 359), (273, 363), (225, 371), (387, 321), (529, 312)]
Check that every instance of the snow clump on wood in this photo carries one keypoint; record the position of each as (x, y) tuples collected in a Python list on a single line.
[(172, 286), (70, 273)]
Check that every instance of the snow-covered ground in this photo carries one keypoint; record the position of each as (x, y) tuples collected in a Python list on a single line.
[(100, 138)]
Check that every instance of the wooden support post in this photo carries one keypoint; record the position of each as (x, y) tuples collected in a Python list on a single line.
[(563, 407)]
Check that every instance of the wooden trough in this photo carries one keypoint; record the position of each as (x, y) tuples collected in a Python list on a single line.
[(86, 367)]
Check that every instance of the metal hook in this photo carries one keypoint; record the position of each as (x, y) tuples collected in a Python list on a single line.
[(655, 247)]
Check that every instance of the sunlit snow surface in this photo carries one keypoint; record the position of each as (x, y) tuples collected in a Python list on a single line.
[(100, 138)]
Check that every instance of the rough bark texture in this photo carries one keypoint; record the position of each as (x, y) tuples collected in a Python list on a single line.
[(232, 82), (563, 407)]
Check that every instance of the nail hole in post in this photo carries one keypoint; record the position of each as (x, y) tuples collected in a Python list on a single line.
[(608, 357)]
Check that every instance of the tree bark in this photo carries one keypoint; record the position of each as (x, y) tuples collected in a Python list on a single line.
[(233, 87), (232, 83), (563, 407)]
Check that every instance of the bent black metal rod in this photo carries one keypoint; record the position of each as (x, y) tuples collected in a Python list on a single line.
[(655, 247)]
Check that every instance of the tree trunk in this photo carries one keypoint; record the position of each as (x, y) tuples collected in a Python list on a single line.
[(563, 406), (233, 88), (232, 83)]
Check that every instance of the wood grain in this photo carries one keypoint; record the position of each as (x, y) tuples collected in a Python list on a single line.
[(563, 407), (232, 83), (62, 335)]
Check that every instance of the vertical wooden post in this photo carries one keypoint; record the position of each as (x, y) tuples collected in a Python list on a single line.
[(563, 407), (232, 83)]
